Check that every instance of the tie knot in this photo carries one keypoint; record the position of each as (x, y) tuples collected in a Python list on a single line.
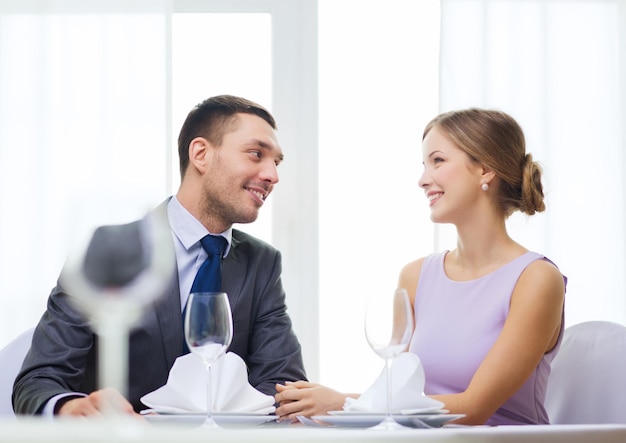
[(213, 244)]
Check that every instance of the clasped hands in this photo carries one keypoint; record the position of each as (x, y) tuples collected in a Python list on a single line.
[(294, 398), (307, 399)]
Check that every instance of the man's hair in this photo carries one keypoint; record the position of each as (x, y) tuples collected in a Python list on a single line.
[(213, 118)]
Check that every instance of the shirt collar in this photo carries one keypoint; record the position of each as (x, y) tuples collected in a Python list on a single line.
[(188, 229)]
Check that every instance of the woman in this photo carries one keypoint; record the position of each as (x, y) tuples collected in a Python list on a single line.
[(489, 313)]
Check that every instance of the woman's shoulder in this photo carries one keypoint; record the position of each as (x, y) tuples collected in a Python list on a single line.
[(538, 265), (543, 269), (410, 273), (543, 279), (415, 267)]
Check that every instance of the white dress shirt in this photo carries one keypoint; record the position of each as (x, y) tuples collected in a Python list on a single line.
[(187, 232)]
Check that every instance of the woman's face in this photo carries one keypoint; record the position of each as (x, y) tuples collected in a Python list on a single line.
[(451, 180)]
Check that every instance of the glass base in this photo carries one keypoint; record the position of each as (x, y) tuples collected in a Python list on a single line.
[(389, 424), (209, 423)]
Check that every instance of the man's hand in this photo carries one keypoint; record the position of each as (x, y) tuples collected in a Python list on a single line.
[(96, 403)]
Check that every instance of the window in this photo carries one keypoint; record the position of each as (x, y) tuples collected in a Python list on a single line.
[(378, 89)]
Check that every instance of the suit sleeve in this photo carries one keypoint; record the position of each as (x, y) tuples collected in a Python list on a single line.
[(275, 354), (56, 362)]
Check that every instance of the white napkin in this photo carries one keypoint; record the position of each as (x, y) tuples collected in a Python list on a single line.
[(407, 390), (185, 390)]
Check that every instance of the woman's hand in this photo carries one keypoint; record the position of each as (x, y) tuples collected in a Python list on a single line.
[(308, 399)]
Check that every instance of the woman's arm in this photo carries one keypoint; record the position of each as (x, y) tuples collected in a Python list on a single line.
[(531, 329), (304, 398)]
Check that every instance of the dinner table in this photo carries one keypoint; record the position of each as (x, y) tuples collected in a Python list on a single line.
[(142, 430)]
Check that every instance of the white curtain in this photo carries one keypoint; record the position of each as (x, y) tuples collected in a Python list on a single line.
[(559, 68), (82, 125), (92, 96)]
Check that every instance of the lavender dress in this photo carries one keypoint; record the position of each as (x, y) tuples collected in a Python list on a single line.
[(457, 323)]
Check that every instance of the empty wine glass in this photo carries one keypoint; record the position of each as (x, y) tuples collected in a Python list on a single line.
[(388, 329), (208, 331), (112, 272)]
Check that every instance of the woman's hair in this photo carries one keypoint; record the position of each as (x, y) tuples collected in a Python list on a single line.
[(496, 140)]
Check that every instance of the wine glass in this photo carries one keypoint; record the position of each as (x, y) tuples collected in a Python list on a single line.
[(208, 331), (112, 273), (388, 329)]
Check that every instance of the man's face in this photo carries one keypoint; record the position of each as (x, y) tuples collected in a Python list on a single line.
[(242, 172)]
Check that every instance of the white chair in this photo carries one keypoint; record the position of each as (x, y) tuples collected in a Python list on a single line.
[(11, 359), (588, 380)]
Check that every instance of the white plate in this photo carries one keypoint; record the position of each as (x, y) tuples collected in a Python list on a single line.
[(366, 421), (225, 420), (430, 410)]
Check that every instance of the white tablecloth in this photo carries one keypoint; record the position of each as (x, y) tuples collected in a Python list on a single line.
[(90, 431)]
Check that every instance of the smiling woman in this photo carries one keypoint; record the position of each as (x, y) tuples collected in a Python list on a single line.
[(489, 312)]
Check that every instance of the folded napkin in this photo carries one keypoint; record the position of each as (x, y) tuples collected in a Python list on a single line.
[(185, 390), (407, 389)]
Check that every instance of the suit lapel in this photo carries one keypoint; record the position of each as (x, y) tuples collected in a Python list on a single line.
[(167, 307), (233, 268), (168, 312)]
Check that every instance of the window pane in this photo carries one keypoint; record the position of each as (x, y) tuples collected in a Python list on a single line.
[(221, 53), (81, 122), (377, 92)]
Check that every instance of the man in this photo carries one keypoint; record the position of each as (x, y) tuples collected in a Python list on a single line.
[(229, 156)]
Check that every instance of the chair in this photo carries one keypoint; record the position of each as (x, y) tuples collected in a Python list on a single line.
[(11, 359), (587, 384)]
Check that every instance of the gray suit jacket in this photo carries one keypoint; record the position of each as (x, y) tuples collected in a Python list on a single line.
[(62, 357)]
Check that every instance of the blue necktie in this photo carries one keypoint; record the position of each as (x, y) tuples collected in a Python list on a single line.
[(209, 276)]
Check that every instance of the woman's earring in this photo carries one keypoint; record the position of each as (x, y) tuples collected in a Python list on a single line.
[(484, 186)]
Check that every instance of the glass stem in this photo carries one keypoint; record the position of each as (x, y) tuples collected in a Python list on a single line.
[(112, 360), (209, 403), (388, 379)]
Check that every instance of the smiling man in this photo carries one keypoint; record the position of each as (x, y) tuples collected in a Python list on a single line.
[(229, 156)]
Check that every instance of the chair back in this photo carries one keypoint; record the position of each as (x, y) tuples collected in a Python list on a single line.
[(588, 379), (11, 359)]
